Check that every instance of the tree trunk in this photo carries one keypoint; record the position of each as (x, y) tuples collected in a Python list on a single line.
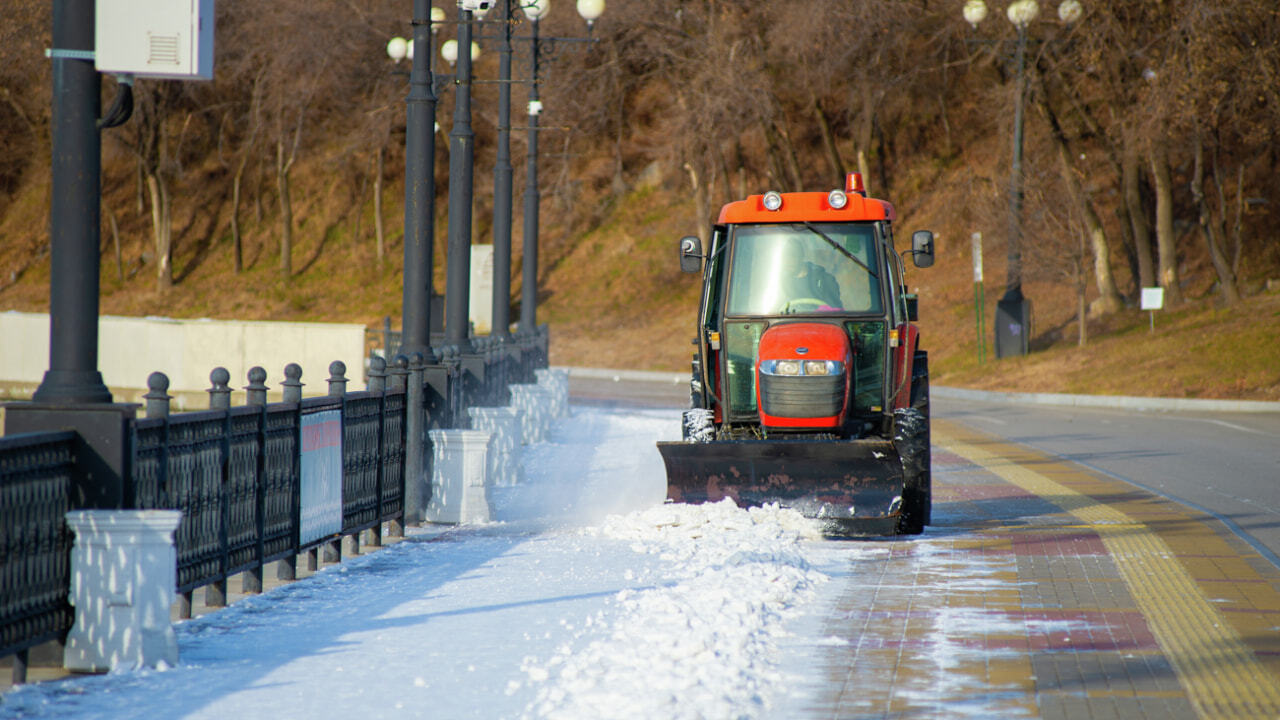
[(1082, 313), (723, 164), (701, 206), (1130, 169), (1165, 242), (742, 170), (159, 192), (862, 142), (141, 180), (115, 241), (260, 176), (378, 227), (829, 143), (793, 161), (1226, 279), (286, 213), (776, 169), (1109, 300), (237, 245), (1237, 231)]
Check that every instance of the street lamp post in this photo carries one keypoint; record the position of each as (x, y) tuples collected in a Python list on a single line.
[(461, 158), (590, 11), (529, 273), (502, 187), (1013, 310), (73, 375), (419, 179)]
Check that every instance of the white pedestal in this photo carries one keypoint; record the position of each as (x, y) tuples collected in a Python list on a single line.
[(458, 477), (556, 382), (503, 423), (124, 571), (533, 402)]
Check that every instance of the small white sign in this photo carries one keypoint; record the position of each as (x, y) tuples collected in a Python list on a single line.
[(1152, 298)]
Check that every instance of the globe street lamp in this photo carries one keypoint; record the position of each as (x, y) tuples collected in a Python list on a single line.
[(1013, 310), (449, 51)]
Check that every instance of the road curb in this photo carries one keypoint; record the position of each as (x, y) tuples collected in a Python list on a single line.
[(668, 378), (1118, 402)]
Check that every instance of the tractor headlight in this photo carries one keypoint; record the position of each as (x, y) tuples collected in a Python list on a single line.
[(794, 368), (772, 200), (837, 199), (816, 367)]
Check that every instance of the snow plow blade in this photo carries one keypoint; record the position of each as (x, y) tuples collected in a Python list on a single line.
[(853, 486)]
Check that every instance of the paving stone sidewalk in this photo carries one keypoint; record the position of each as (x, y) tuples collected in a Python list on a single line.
[(1044, 590)]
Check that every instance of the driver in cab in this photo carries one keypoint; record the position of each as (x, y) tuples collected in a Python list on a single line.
[(806, 286)]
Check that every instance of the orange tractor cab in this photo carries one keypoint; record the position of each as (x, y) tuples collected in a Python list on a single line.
[(809, 388)]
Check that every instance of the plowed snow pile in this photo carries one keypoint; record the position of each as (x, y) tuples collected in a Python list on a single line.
[(699, 640)]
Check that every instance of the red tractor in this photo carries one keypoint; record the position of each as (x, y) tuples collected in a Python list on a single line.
[(809, 388)]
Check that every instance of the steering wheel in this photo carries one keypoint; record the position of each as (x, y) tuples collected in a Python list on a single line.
[(790, 304)]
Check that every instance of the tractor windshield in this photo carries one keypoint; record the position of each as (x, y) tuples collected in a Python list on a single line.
[(803, 268)]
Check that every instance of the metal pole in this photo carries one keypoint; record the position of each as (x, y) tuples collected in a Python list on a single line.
[(502, 188), (529, 273), (1013, 289), (1012, 327), (419, 189), (461, 154), (74, 217)]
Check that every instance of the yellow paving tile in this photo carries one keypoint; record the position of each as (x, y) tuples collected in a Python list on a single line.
[(1222, 673)]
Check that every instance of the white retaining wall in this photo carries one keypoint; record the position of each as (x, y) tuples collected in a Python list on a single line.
[(130, 349)]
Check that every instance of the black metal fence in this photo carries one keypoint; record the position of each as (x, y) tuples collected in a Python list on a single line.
[(35, 542), (236, 475)]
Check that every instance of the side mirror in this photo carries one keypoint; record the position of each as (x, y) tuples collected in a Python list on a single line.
[(922, 248), (690, 255)]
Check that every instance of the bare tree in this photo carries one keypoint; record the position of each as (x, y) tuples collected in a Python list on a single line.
[(148, 137), (1109, 300)]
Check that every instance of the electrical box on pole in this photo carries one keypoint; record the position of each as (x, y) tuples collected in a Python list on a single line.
[(168, 39)]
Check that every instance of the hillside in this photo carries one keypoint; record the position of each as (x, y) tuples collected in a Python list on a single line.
[(692, 125)]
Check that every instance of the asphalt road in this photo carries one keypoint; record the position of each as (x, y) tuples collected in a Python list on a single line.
[(1223, 463), (1227, 464)]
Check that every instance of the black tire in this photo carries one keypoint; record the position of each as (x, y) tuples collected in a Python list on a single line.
[(920, 401), (911, 437)]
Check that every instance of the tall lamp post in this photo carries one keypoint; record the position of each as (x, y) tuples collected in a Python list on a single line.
[(419, 177), (590, 11), (502, 186), (1013, 310), (73, 375), (461, 159)]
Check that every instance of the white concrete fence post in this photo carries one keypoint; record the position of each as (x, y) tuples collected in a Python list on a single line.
[(124, 571), (503, 423), (556, 382), (533, 403), (459, 472)]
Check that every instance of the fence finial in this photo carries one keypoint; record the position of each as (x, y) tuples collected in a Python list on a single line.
[(292, 383), (256, 390), (337, 378), (377, 374), (157, 396), (400, 372), (220, 393)]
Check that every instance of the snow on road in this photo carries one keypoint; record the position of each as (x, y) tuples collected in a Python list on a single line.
[(589, 598)]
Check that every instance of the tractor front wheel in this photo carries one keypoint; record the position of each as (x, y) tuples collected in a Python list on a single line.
[(911, 437)]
